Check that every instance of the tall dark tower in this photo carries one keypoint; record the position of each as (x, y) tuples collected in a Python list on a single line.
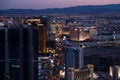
[(2, 53), (42, 24), (20, 47), (42, 37)]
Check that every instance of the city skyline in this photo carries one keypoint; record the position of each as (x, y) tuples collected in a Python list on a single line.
[(40, 4)]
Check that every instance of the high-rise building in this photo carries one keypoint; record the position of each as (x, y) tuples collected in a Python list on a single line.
[(19, 48), (41, 24), (2, 53), (73, 58), (41, 38), (43, 33)]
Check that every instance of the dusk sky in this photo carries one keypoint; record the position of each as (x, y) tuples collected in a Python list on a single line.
[(43, 4)]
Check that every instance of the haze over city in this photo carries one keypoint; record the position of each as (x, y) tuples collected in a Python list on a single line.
[(43, 4), (59, 39)]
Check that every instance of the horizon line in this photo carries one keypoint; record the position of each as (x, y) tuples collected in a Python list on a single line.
[(63, 7)]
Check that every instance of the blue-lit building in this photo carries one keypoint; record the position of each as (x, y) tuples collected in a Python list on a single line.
[(18, 53), (73, 58)]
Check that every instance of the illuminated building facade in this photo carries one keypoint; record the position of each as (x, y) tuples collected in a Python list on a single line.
[(41, 38), (93, 31), (3, 19), (33, 20), (56, 28), (115, 72), (19, 54), (1, 24), (41, 25), (66, 30), (82, 33), (81, 74), (79, 34)]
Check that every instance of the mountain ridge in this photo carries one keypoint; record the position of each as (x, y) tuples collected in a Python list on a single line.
[(86, 9)]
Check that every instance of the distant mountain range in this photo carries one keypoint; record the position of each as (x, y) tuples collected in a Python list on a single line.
[(87, 9)]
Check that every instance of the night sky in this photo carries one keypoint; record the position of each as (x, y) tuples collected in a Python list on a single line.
[(43, 4)]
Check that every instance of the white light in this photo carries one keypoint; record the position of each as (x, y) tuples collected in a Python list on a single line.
[(76, 29), (15, 66), (54, 32), (110, 71), (62, 73), (51, 61), (29, 23), (63, 67), (64, 37), (57, 39), (1, 24)]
